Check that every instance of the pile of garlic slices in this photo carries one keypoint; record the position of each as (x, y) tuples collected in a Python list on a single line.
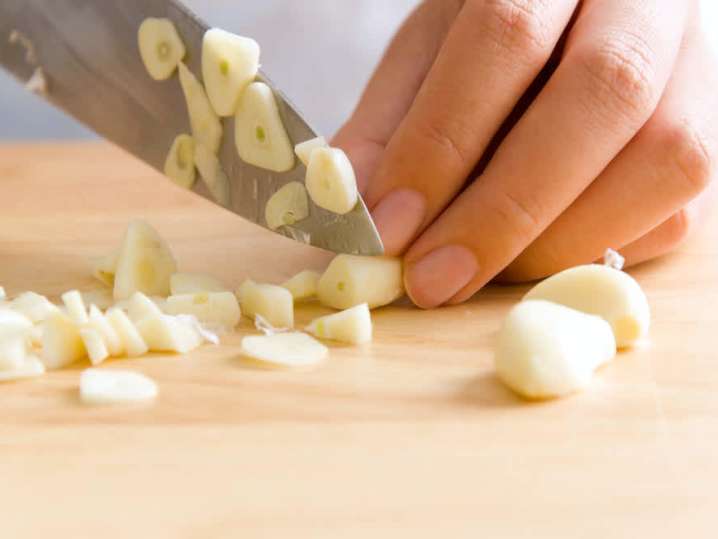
[(568, 326), (230, 65), (148, 306)]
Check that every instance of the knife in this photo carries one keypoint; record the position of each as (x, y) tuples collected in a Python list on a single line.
[(82, 56)]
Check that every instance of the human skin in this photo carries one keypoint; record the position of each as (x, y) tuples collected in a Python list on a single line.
[(510, 139)]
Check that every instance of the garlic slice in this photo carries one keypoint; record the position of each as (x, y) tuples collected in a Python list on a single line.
[(289, 205), (75, 306), (214, 309), (100, 386), (61, 342), (161, 47), (132, 342), (94, 344), (210, 169), (101, 324), (165, 333), (179, 165), (206, 126), (284, 350), (304, 149), (331, 182), (30, 368)]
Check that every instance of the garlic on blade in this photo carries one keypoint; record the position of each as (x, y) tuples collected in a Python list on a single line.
[(229, 63), (289, 205), (304, 149), (206, 126), (161, 47), (179, 165), (259, 134), (330, 180), (210, 169)]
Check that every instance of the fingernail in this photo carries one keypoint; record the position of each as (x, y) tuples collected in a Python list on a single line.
[(398, 217), (440, 275)]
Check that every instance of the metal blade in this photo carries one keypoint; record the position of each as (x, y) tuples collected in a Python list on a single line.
[(87, 51)]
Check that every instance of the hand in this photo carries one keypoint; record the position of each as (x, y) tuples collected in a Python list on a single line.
[(515, 138)]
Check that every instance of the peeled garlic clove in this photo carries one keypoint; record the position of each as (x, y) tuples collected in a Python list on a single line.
[(352, 326), (284, 349), (103, 269), (61, 342), (164, 333), (145, 263), (161, 48), (351, 280), (112, 340), (229, 63), (94, 344), (192, 283), (30, 368), (259, 134), (34, 306), (132, 342), (75, 306), (179, 165), (304, 149), (274, 303), (214, 309), (613, 295), (206, 126), (287, 206), (330, 180), (210, 169), (99, 386), (547, 350), (303, 285)]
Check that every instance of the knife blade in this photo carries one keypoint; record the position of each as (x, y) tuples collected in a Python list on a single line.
[(86, 57)]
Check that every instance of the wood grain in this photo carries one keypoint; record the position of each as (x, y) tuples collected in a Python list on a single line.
[(411, 436)]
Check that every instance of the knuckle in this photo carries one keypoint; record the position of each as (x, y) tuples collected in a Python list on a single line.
[(689, 155), (621, 76), (523, 216), (518, 26), (678, 228), (448, 140)]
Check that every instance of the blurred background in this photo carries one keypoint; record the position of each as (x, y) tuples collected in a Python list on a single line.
[(320, 52)]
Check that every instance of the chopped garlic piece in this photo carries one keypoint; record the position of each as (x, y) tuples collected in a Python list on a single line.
[(132, 342), (614, 260), (99, 322), (94, 344), (34, 306), (352, 326), (259, 135), (265, 327), (31, 368), (331, 182), (161, 47), (140, 307), (99, 386), (61, 342), (272, 302), (165, 333), (209, 335), (284, 349), (613, 295), (352, 280), (75, 307), (304, 149), (101, 298), (179, 164), (13, 352), (303, 285), (229, 63), (546, 350), (103, 268), (289, 205), (206, 125), (193, 283), (214, 309), (210, 169)]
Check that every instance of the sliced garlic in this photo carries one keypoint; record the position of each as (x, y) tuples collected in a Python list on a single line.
[(132, 342), (259, 134), (99, 386), (140, 306), (145, 263), (304, 149), (351, 280), (192, 283), (34, 306), (179, 165), (214, 309), (31, 368), (352, 326), (229, 63), (13, 352), (94, 344), (284, 349), (287, 206), (206, 126), (331, 182), (210, 169), (61, 342), (103, 269), (3, 295), (547, 350), (242, 289), (303, 285), (75, 306), (101, 298), (164, 333), (160, 46), (274, 303), (596, 289), (112, 339)]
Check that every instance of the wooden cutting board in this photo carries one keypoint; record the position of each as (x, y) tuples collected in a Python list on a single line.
[(412, 436)]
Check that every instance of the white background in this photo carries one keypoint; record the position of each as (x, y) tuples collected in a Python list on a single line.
[(320, 52)]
